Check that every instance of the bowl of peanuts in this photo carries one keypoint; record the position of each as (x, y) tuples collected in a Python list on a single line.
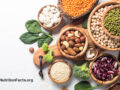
[(72, 43), (75, 9)]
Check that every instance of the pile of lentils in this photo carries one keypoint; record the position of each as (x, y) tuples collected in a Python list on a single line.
[(112, 21), (97, 31)]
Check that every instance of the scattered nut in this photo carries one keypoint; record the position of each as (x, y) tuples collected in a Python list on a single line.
[(71, 43), (71, 51), (66, 44), (31, 50)]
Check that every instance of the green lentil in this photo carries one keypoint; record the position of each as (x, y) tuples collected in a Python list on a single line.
[(112, 21)]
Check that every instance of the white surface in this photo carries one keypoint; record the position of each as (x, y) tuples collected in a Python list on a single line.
[(15, 59)]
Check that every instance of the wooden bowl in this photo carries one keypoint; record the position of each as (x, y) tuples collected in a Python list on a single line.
[(78, 55), (49, 69), (109, 88), (75, 17), (104, 82), (96, 54), (104, 28), (89, 22), (53, 27)]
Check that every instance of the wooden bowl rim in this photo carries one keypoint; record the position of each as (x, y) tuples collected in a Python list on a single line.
[(106, 31), (76, 17), (79, 54), (89, 22), (91, 59), (112, 85), (49, 69), (104, 82), (53, 27)]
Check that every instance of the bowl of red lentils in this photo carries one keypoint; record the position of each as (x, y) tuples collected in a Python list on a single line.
[(75, 9)]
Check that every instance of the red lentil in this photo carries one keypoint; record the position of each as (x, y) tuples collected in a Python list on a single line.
[(76, 7)]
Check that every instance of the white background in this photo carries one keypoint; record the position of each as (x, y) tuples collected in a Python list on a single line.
[(15, 59)]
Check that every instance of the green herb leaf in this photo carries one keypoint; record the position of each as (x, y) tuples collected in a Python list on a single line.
[(84, 24), (85, 85), (48, 40), (33, 26), (40, 42), (44, 39), (28, 38)]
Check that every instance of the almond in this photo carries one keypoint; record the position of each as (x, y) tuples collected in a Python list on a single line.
[(76, 49), (65, 51), (63, 47), (71, 51), (78, 45)]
